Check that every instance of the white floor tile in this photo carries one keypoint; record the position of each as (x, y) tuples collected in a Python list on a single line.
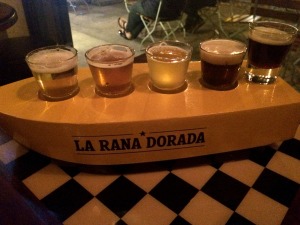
[(149, 211), (261, 210), (46, 180), (196, 176), (204, 210), (147, 181), (245, 171), (95, 183), (93, 213), (286, 166)]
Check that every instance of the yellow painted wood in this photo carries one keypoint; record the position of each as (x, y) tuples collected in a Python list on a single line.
[(149, 126)]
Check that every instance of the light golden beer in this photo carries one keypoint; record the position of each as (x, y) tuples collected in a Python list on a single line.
[(221, 60), (168, 64), (55, 70), (111, 68)]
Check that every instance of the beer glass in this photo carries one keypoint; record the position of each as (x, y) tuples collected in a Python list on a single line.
[(269, 43), (111, 68), (221, 61), (55, 70), (168, 63)]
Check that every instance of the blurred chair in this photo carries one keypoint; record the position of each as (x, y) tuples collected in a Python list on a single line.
[(287, 11), (128, 4), (230, 18), (79, 7), (168, 17)]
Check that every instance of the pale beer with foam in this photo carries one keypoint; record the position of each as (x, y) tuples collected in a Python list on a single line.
[(55, 70)]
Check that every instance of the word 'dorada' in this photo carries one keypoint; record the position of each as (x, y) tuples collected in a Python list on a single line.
[(115, 144)]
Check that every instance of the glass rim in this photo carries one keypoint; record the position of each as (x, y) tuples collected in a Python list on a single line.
[(274, 23), (113, 61), (172, 42), (64, 47), (224, 39)]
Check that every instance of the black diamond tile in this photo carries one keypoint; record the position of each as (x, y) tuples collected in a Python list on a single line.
[(120, 222), (173, 192), (215, 161), (218, 159), (121, 195), (237, 219), (277, 187), (71, 171), (27, 165), (225, 189), (179, 221), (67, 199), (262, 155), (291, 148)]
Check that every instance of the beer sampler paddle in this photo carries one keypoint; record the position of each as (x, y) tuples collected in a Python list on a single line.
[(148, 126)]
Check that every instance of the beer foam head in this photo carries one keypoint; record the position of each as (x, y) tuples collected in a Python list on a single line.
[(222, 51), (55, 60), (271, 36), (108, 56), (167, 53)]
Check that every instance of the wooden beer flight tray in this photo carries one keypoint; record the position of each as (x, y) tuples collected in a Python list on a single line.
[(147, 126)]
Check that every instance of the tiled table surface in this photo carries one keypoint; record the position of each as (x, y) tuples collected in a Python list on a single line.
[(251, 186)]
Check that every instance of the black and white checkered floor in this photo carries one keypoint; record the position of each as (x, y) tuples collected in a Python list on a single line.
[(253, 186)]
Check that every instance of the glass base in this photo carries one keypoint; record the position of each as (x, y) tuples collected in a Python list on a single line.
[(260, 79), (123, 93), (46, 97), (261, 76), (226, 87), (168, 91)]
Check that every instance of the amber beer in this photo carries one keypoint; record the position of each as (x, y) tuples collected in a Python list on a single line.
[(55, 70), (221, 60), (111, 68), (269, 43), (168, 63)]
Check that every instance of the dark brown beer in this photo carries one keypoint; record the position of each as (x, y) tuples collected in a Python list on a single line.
[(269, 43), (220, 63), (219, 76), (267, 53)]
